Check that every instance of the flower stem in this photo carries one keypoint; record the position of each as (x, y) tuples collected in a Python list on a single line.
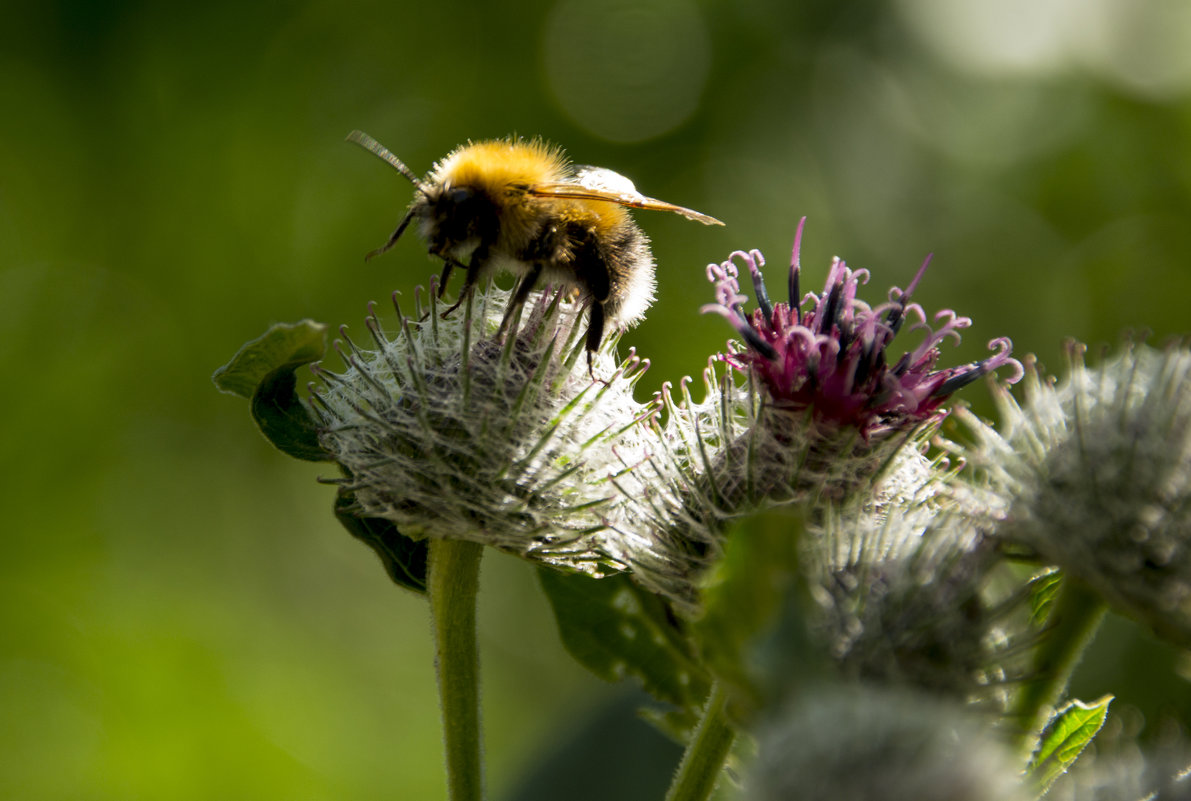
[(703, 761), (1073, 624), (454, 580)]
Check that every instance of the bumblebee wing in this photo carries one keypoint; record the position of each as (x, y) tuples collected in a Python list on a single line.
[(597, 183)]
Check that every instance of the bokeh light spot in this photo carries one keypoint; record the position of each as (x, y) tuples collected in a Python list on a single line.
[(627, 71), (1144, 46)]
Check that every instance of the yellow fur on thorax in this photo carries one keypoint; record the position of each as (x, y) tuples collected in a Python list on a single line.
[(502, 166)]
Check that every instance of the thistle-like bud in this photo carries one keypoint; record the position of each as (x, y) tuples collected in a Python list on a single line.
[(907, 595), (1094, 475), (854, 743), (446, 431)]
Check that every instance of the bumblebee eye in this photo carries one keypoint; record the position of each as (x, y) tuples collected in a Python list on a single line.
[(459, 202)]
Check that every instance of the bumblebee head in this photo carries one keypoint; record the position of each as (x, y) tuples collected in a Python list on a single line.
[(457, 216)]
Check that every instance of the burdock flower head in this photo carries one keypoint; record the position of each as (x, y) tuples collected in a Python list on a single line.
[(447, 432), (826, 409), (1093, 474), (463, 426), (910, 592), (830, 354), (832, 402), (860, 742)]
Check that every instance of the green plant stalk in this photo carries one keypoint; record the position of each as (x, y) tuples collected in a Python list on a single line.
[(453, 583), (704, 759), (1073, 624)]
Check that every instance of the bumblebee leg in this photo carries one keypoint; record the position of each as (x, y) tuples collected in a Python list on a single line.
[(520, 295), (444, 276), (478, 259), (595, 327), (595, 334), (386, 247)]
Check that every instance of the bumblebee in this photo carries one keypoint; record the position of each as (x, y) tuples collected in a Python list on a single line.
[(520, 206)]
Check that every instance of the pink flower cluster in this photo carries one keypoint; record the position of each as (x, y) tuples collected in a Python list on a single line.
[(830, 353)]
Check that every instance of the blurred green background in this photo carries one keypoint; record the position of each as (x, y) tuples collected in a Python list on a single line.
[(181, 617)]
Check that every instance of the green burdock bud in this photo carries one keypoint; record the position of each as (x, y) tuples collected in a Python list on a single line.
[(446, 431), (906, 593), (1094, 475), (855, 743)]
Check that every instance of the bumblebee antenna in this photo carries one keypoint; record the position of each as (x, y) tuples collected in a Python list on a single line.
[(380, 151), (386, 247)]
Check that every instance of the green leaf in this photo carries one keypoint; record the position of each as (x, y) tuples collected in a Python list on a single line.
[(264, 371), (752, 634), (282, 345), (404, 558), (1043, 590), (284, 418), (1069, 732), (616, 629)]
